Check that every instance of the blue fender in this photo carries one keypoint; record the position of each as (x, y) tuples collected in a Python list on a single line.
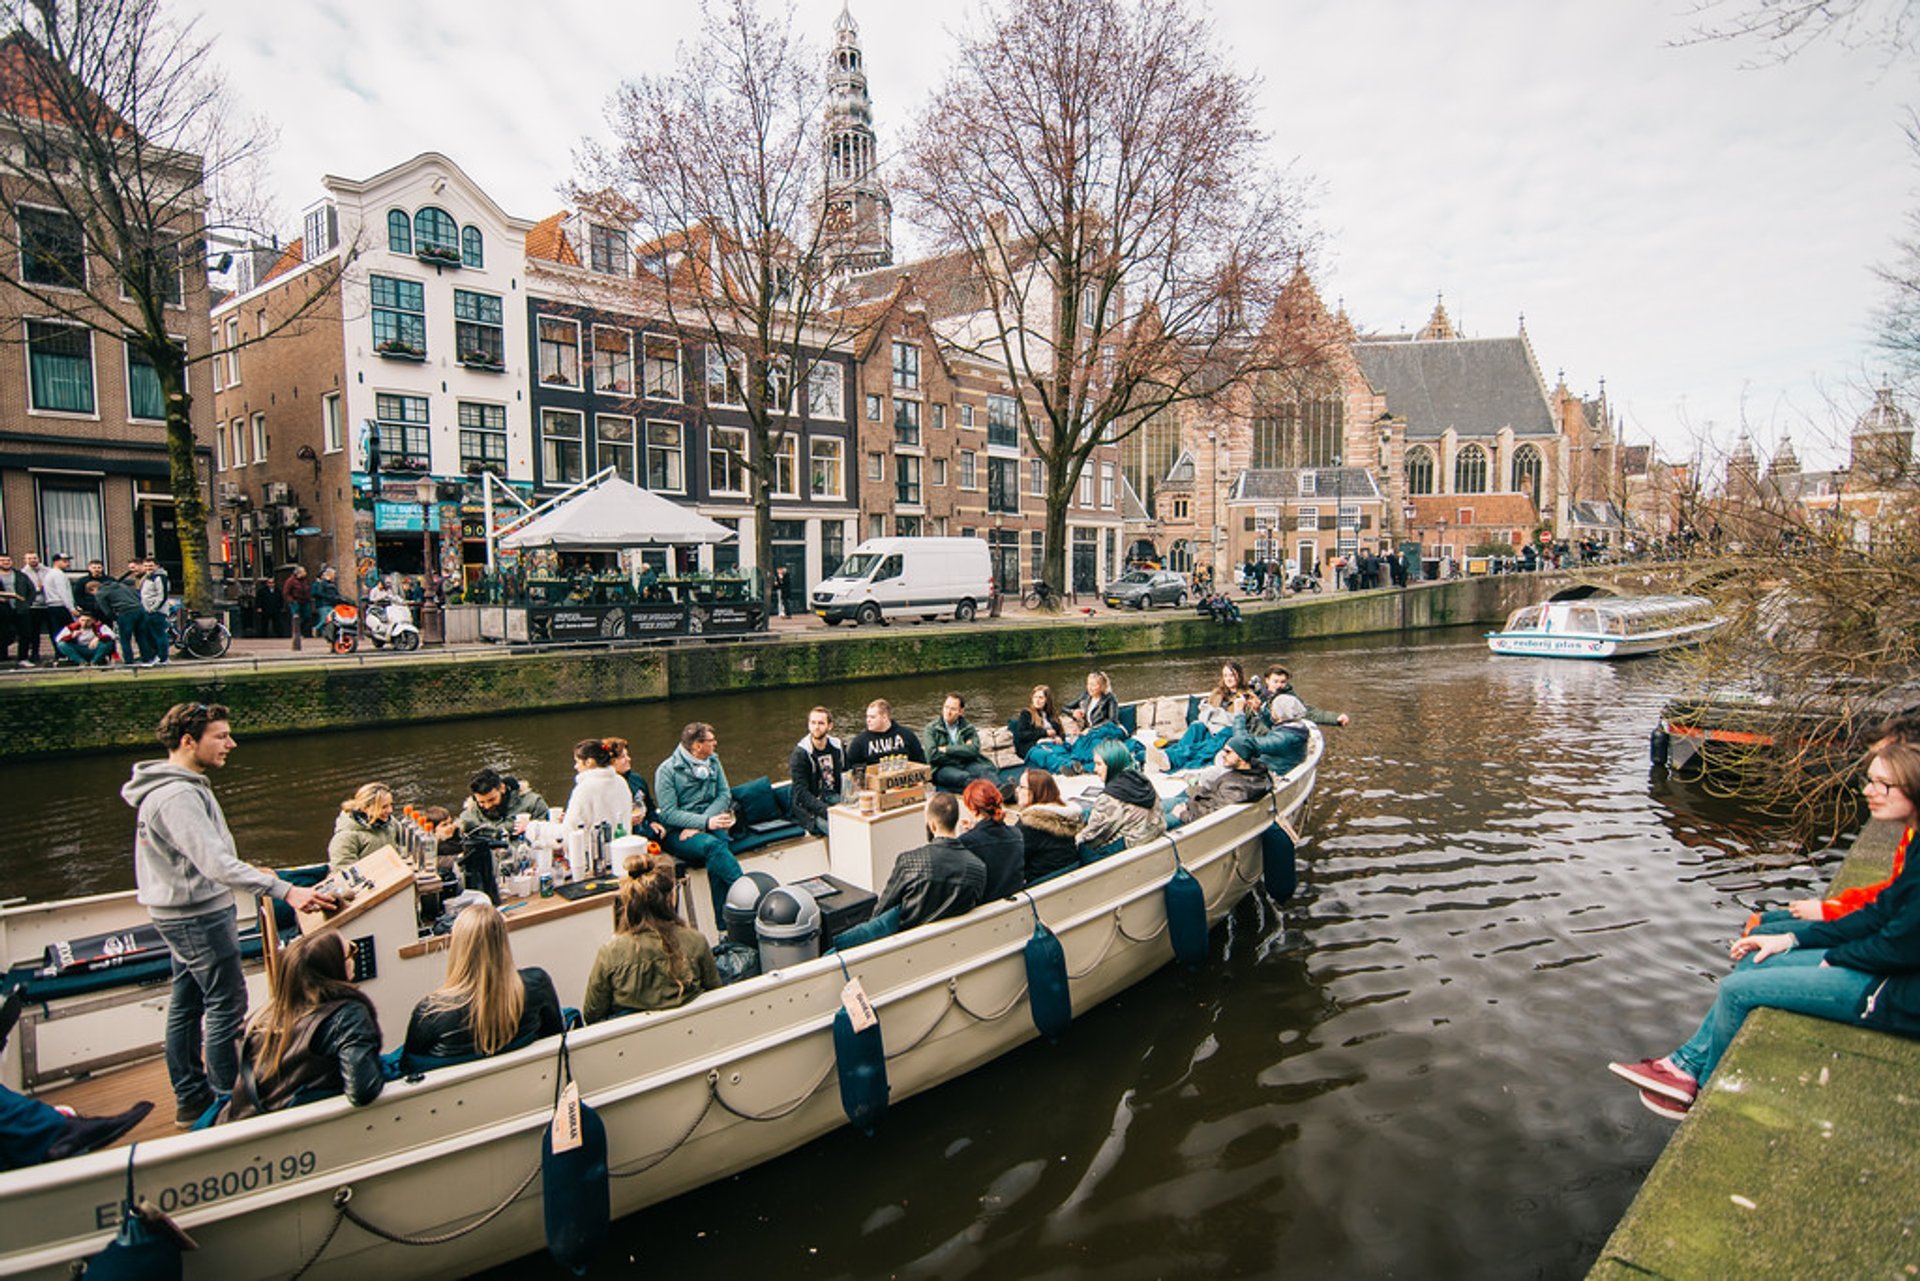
[(1279, 869), (1048, 998), (860, 1058), (1186, 918), (575, 1191), (142, 1251)]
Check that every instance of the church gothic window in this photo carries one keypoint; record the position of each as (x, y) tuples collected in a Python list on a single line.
[(1470, 471), (1419, 470), (1526, 472)]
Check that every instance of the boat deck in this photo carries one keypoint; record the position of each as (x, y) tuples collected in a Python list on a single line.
[(113, 1092)]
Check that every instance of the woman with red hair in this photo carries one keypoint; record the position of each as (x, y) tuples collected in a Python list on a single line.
[(995, 842)]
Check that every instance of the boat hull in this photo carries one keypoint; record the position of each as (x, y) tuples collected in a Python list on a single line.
[(687, 1095)]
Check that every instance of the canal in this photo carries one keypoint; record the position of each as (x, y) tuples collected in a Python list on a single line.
[(1403, 1074)]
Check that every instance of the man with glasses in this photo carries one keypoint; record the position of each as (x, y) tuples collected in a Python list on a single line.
[(696, 807), (187, 870)]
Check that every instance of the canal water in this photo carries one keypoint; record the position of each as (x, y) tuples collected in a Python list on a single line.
[(1401, 1074)]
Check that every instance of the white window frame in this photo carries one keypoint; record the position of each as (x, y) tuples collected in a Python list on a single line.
[(905, 373), (233, 351), (333, 427), (259, 439), (731, 365), (876, 467), (827, 381), (602, 448), (578, 439), (729, 445), (20, 247), (237, 455), (786, 467), (969, 478), (938, 476), (648, 358), (1036, 478), (680, 449), (126, 349), (829, 453), (1107, 493), (613, 388), (1307, 519), (93, 370), (539, 349), (966, 415)]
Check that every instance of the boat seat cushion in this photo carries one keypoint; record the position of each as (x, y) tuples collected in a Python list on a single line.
[(996, 744), (1130, 718), (760, 801), (754, 801)]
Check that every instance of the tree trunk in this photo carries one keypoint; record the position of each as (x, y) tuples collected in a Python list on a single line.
[(183, 478), (1055, 558)]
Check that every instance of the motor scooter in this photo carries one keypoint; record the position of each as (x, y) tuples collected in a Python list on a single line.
[(1304, 583), (392, 623), (341, 628)]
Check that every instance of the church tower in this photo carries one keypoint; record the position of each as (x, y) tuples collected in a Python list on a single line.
[(857, 215), (1882, 445)]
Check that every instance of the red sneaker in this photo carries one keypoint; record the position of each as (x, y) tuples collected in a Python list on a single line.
[(1656, 1077), (1661, 1105)]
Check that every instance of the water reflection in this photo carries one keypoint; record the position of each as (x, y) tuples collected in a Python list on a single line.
[(1400, 1075)]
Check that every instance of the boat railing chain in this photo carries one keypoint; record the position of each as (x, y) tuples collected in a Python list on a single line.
[(1105, 947), (343, 1210), (953, 988), (712, 1093), (713, 1084), (953, 999), (1120, 927)]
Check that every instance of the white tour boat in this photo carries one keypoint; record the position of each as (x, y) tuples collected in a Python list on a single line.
[(1605, 626), (440, 1176)]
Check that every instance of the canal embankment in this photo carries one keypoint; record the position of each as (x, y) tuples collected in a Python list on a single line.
[(68, 710), (1799, 1159)]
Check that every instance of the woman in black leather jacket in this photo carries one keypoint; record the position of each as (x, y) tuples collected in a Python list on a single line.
[(485, 1006), (317, 1035)]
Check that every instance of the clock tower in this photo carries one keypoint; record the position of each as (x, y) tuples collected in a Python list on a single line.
[(857, 216)]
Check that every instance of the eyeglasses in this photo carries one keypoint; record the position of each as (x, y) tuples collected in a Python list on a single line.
[(1876, 785)]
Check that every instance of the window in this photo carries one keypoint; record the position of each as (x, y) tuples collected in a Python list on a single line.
[(906, 422), (607, 250), (969, 469), (616, 447), (876, 466), (333, 428), (219, 448), (786, 467), (71, 518), (259, 438), (238, 453), (907, 479), (473, 247), (1470, 471), (939, 473), (612, 360), (906, 526), (726, 376), (399, 319), (876, 527), (405, 442), (1003, 422), (666, 460), (906, 366), (1419, 469), (662, 355), (1348, 517), (1106, 485), (1037, 553), (60, 367), (562, 452), (559, 352), (53, 249), (966, 415), (1309, 484), (479, 333), (156, 272), (826, 391), (1036, 477), (1526, 473), (483, 437), (873, 408), (233, 352), (939, 417), (436, 237), (143, 386), (826, 463), (1003, 485), (779, 387), (1179, 509), (1086, 487), (726, 460), (399, 232), (1307, 519)]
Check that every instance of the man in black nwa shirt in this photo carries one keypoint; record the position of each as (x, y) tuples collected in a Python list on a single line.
[(883, 738)]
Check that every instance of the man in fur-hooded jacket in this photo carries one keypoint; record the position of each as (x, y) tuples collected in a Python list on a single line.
[(187, 871)]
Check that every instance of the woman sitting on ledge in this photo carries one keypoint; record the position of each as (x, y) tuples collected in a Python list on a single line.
[(1126, 813), (317, 1036), (1862, 968), (485, 1006), (654, 961)]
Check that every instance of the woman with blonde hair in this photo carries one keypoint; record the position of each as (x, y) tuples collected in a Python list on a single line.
[(485, 1006), (654, 961), (365, 825), (316, 1036)]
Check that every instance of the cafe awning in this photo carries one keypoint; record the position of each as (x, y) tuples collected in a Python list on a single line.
[(614, 514)]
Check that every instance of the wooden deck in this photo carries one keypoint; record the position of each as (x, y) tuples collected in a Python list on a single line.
[(113, 1092)]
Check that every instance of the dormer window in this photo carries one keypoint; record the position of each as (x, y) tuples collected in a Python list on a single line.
[(607, 250)]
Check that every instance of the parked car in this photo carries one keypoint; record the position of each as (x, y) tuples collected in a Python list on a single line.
[(1139, 588)]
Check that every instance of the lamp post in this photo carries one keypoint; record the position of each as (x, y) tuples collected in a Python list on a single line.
[(1213, 504)]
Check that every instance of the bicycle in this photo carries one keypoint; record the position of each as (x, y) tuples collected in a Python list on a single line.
[(1041, 596)]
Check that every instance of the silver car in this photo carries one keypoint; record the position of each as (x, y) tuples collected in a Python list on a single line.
[(1140, 588)]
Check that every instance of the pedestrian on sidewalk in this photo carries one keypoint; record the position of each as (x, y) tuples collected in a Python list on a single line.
[(299, 596)]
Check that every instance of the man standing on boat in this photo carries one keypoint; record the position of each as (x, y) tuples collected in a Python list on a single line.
[(187, 871)]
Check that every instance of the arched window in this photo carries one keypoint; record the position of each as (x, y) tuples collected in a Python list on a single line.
[(1526, 473), (1180, 556), (472, 247), (1419, 470), (399, 231), (1470, 471), (434, 229)]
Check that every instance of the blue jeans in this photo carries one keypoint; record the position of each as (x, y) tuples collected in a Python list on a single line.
[(715, 853), (28, 1128), (1197, 747), (159, 636), (877, 927), (85, 655), (131, 627), (206, 981), (1791, 981)]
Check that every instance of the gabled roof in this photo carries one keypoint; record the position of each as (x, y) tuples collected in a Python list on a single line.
[(291, 257), (1283, 484), (546, 241), (1475, 386), (1182, 471)]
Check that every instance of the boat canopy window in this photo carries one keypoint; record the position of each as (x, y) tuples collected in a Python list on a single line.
[(1583, 620), (1526, 619)]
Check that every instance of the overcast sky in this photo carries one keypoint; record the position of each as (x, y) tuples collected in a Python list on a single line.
[(1699, 234)]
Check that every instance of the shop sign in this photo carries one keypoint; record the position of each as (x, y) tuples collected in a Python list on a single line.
[(399, 518)]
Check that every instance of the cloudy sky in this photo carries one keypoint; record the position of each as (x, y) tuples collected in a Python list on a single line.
[(1698, 232)]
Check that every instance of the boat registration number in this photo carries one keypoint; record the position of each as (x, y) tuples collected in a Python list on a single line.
[(262, 1173)]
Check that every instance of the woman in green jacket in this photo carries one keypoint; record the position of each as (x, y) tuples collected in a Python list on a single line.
[(365, 825)]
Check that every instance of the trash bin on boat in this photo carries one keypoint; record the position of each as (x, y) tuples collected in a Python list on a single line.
[(743, 906), (789, 928)]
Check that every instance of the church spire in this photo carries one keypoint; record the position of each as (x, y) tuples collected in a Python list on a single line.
[(1439, 325), (858, 215)]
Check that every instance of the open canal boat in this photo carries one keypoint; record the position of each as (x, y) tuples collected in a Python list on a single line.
[(1596, 626), (441, 1175)]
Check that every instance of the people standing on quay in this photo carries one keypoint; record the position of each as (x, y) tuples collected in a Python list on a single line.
[(57, 586), (16, 590), (186, 870), (120, 602), (34, 597), (299, 595), (155, 587)]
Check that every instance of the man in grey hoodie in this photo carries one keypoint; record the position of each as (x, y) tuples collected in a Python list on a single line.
[(187, 871)]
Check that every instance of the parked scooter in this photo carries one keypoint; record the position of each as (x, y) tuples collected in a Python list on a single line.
[(391, 623), (1304, 583), (341, 628)]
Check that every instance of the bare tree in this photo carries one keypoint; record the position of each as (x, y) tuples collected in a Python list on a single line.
[(719, 165), (1785, 27), (1094, 170), (121, 156)]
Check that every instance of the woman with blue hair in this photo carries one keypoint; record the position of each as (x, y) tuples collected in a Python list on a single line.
[(1126, 813)]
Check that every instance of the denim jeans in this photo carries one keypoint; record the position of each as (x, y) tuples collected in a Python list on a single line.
[(159, 636), (1780, 921), (28, 1128), (206, 981), (1791, 981), (877, 927), (85, 655), (713, 852), (131, 627)]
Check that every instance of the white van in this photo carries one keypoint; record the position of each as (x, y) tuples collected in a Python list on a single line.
[(905, 578)]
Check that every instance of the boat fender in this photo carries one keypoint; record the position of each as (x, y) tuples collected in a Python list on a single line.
[(574, 1187), (1048, 998), (148, 1245), (1279, 869), (860, 1058), (1186, 918), (1658, 745)]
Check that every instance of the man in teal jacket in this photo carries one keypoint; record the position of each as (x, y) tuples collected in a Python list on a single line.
[(696, 807)]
